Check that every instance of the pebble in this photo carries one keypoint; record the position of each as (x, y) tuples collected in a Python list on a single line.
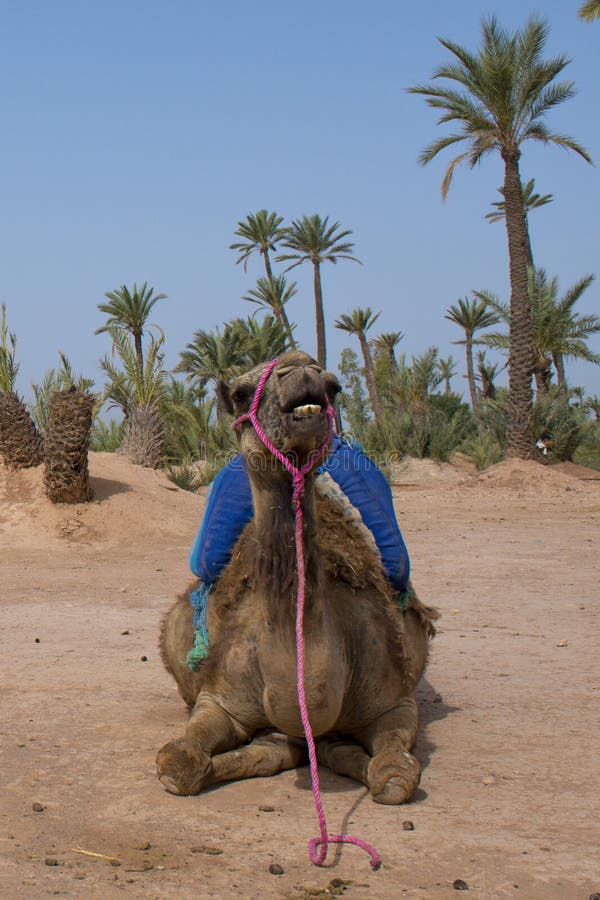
[(144, 658), (38, 807), (460, 885), (407, 825), (37, 640), (210, 851), (52, 861), (276, 869), (266, 809), (126, 631)]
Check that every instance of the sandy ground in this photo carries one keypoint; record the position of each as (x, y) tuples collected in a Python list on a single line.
[(509, 740)]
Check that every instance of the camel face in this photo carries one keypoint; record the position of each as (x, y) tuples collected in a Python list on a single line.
[(293, 407)]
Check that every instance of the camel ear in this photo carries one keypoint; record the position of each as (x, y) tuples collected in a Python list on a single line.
[(223, 392), (332, 385)]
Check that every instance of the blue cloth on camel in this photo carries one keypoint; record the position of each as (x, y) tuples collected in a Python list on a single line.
[(229, 508)]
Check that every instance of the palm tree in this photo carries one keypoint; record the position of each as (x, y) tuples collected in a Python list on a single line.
[(472, 316), (487, 375), (359, 322), (503, 92), (213, 356), (66, 473), (260, 232), (590, 10), (312, 239), (263, 340), (139, 392), (386, 342), (447, 369), (273, 293), (558, 332), (20, 442), (130, 310)]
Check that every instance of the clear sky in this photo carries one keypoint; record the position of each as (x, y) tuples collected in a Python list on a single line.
[(136, 134)]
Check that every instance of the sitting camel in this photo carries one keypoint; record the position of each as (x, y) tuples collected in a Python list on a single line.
[(363, 652)]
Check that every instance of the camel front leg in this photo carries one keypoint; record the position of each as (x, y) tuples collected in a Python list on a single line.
[(184, 765), (265, 755), (393, 772), (344, 756)]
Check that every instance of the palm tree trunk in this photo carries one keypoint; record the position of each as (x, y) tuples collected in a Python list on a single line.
[(471, 371), (370, 378), (137, 341), (267, 264), (319, 317), (520, 364), (286, 324), (561, 378)]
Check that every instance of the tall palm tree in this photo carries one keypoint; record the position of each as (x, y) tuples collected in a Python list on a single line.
[(590, 10), (313, 240), (387, 342), (260, 232), (472, 316), (447, 369), (273, 293), (358, 322), (558, 331), (130, 310), (499, 96)]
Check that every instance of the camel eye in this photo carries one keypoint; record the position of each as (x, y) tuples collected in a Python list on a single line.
[(315, 368), (242, 394)]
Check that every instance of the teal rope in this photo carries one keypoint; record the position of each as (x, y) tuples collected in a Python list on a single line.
[(199, 651)]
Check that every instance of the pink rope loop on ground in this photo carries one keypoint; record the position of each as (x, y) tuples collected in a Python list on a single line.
[(318, 858)]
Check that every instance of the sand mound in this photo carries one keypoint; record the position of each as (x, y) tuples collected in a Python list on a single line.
[(130, 503), (520, 474), (413, 471)]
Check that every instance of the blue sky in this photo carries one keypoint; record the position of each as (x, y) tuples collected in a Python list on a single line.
[(135, 135)]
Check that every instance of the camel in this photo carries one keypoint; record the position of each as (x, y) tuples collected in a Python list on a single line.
[(363, 652)]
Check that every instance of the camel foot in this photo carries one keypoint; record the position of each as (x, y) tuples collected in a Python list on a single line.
[(393, 776), (182, 768)]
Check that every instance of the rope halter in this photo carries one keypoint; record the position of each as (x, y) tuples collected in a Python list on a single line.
[(298, 474)]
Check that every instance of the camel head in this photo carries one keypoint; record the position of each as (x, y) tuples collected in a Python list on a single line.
[(292, 410)]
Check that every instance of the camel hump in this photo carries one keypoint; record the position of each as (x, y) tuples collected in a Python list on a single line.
[(327, 487)]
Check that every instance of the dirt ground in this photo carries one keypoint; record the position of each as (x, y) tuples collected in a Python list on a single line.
[(509, 739)]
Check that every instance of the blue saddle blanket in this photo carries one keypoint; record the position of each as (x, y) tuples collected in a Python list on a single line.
[(229, 508)]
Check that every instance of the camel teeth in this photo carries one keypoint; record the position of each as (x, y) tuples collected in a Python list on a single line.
[(306, 411)]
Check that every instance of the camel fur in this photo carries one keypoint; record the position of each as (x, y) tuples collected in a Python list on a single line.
[(363, 653)]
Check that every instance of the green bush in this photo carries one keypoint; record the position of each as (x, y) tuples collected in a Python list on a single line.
[(106, 437)]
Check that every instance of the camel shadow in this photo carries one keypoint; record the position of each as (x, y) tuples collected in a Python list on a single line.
[(431, 709), (103, 488)]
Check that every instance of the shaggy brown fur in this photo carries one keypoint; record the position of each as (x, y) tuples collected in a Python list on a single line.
[(363, 654)]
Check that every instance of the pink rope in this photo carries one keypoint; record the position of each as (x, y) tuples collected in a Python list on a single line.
[(318, 858)]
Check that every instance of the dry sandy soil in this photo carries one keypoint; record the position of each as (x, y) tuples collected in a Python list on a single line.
[(509, 740)]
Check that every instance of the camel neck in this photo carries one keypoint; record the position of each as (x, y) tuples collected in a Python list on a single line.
[(276, 564)]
